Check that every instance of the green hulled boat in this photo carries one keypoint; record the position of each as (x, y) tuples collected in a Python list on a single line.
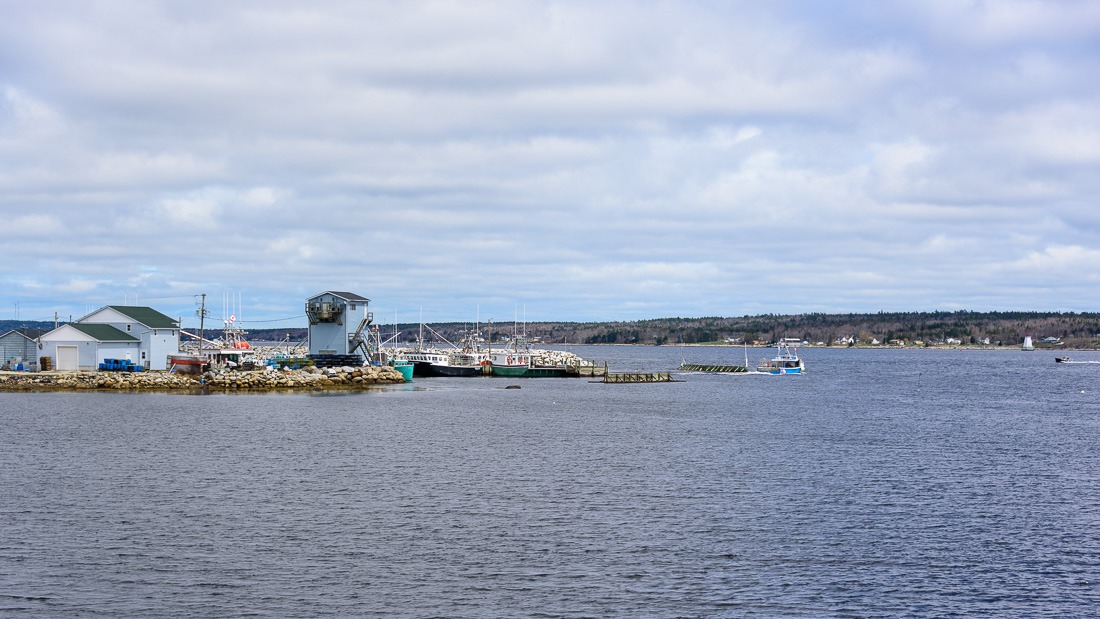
[(512, 363)]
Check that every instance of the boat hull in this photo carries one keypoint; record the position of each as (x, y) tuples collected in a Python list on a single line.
[(422, 368), (187, 364), (779, 371), (406, 370), (456, 370), (546, 372), (512, 371)]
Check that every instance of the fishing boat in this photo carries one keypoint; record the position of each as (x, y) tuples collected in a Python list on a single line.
[(425, 359), (513, 363), (458, 363), (379, 354), (187, 364), (404, 366), (784, 362), (552, 363)]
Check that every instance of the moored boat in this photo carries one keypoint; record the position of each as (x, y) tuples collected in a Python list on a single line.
[(425, 359), (547, 371), (459, 363), (187, 364), (513, 363), (405, 367)]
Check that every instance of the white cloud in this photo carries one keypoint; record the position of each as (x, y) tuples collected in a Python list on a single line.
[(34, 225), (592, 156), (1058, 261), (199, 212), (76, 286)]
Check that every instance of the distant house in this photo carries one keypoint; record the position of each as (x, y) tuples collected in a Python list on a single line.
[(141, 335), (1052, 340), (19, 348)]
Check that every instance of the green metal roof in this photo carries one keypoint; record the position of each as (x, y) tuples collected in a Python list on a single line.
[(103, 333), (147, 316)]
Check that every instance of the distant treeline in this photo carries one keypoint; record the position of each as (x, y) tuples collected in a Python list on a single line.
[(910, 328), (925, 328)]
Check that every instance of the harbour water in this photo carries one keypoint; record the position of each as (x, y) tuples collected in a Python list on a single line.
[(882, 483)]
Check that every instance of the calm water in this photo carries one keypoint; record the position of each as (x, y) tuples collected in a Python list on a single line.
[(882, 483)]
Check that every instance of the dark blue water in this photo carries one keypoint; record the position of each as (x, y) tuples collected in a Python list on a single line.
[(880, 484)]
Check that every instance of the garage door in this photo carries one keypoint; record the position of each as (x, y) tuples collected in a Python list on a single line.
[(68, 358)]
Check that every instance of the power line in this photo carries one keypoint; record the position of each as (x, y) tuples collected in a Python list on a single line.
[(243, 322), (274, 320)]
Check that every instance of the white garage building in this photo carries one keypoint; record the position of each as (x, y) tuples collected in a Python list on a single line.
[(141, 335)]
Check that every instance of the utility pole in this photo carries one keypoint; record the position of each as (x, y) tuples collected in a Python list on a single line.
[(202, 322)]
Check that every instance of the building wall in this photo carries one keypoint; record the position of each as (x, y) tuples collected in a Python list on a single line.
[(15, 348), (118, 350), (87, 352), (156, 344), (332, 337), (92, 353)]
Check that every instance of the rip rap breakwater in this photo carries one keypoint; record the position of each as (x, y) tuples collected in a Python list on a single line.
[(346, 378)]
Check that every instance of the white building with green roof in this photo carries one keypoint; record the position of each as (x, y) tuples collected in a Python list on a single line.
[(141, 335)]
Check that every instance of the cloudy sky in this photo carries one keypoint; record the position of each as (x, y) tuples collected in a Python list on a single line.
[(560, 160)]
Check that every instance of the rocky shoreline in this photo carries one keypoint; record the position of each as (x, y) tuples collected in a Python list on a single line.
[(268, 379)]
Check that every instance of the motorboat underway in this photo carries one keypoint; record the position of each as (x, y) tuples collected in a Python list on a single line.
[(784, 362)]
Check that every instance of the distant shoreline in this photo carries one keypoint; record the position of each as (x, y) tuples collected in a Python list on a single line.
[(953, 347)]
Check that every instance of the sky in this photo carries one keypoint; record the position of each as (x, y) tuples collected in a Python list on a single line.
[(549, 160)]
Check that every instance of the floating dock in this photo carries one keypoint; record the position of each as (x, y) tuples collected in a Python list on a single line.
[(727, 369), (637, 377)]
